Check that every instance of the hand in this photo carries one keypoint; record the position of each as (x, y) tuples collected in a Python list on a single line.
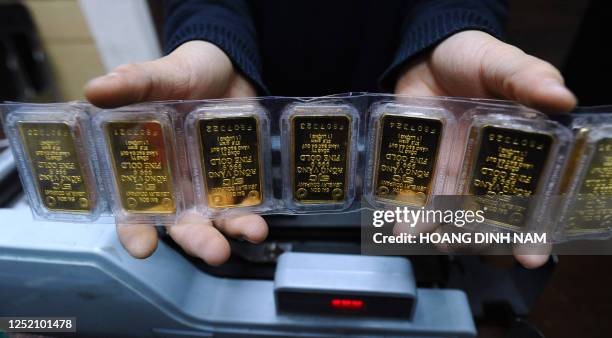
[(475, 64), (195, 70)]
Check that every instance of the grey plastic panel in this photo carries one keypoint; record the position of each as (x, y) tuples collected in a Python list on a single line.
[(351, 273), (307, 282), (63, 269)]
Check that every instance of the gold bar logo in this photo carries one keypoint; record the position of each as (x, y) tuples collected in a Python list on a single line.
[(141, 166)]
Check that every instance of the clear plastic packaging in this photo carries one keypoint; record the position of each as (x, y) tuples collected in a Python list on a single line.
[(586, 187), (408, 152), (319, 152), (56, 160), (137, 149), (510, 166), (229, 154), (150, 163)]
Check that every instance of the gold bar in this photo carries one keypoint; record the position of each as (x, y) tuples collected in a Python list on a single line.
[(319, 158), (591, 210), (507, 171), (405, 158), (56, 167), (231, 161), (141, 166)]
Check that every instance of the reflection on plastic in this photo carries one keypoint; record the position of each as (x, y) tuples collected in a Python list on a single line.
[(153, 162)]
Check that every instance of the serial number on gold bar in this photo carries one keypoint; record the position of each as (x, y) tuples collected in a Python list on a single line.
[(507, 172), (141, 166), (230, 155), (320, 154), (406, 153), (56, 167), (591, 210)]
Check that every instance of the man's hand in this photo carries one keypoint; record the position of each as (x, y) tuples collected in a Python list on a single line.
[(195, 70), (475, 64)]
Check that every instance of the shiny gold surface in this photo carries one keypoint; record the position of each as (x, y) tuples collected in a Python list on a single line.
[(141, 166), (319, 160), (406, 153), (51, 152), (507, 171), (572, 167), (592, 208), (230, 155)]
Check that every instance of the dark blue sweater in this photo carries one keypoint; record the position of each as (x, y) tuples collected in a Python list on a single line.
[(314, 47)]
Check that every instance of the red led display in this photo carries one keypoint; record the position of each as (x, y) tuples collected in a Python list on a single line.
[(346, 304)]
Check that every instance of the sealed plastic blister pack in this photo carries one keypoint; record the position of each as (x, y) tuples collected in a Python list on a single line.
[(137, 148), (319, 152), (149, 163), (586, 187), (56, 160), (408, 151), (229, 153), (509, 167)]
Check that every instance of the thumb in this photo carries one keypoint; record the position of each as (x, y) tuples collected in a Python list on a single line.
[(196, 69), (508, 72)]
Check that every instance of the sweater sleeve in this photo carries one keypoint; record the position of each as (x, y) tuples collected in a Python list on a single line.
[(429, 22), (226, 23)]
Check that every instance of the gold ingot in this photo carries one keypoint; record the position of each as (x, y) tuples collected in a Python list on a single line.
[(506, 172), (56, 166), (231, 163), (141, 166), (320, 157), (591, 208), (405, 158)]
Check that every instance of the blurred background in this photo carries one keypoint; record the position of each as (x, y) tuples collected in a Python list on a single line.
[(50, 48)]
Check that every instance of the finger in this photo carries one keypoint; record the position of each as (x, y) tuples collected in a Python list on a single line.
[(462, 247), (532, 261), (240, 87), (196, 69), (196, 235), (251, 227), (140, 241), (414, 229), (508, 72), (417, 80), (449, 247), (532, 256)]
